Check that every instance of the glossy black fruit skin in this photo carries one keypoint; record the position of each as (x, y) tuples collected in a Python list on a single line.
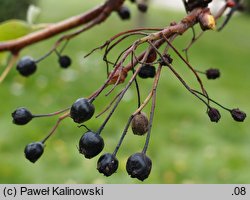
[(214, 115), (91, 144), (139, 166), (33, 151), (64, 61), (107, 164), (21, 116), (147, 71), (26, 66), (82, 110), (124, 13)]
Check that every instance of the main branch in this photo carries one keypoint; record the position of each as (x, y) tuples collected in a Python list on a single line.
[(94, 16)]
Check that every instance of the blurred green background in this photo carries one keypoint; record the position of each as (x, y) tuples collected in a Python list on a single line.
[(185, 146)]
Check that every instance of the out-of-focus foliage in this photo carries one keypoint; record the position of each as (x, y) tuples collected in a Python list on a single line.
[(6, 29), (247, 5), (14, 9)]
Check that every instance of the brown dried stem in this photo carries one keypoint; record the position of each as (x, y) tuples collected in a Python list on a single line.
[(91, 18), (11, 63)]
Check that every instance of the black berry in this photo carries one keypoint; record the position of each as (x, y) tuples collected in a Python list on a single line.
[(139, 124), (147, 71), (124, 13), (212, 73), (33, 151), (21, 116), (26, 66), (238, 115), (213, 114), (82, 110), (139, 166), (90, 144), (191, 4), (107, 164), (142, 7), (64, 61)]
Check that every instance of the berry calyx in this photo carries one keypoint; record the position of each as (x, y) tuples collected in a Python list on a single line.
[(33, 151), (21, 116), (147, 71), (139, 124), (26, 66), (213, 114), (238, 115), (124, 13), (139, 166), (64, 61), (212, 73), (107, 164), (82, 110), (168, 59), (90, 144)]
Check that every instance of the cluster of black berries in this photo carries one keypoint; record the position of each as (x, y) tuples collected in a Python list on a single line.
[(148, 70), (213, 113), (124, 12), (91, 143), (28, 66), (236, 114)]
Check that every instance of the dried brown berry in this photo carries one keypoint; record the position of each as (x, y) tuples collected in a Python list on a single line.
[(139, 124), (151, 56), (238, 115)]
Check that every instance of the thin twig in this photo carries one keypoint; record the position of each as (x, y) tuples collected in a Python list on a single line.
[(11, 63), (157, 77), (55, 126), (51, 114)]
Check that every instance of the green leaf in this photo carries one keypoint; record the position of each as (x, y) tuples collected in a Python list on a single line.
[(12, 29)]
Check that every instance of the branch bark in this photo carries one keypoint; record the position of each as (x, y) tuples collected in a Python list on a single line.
[(101, 13)]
